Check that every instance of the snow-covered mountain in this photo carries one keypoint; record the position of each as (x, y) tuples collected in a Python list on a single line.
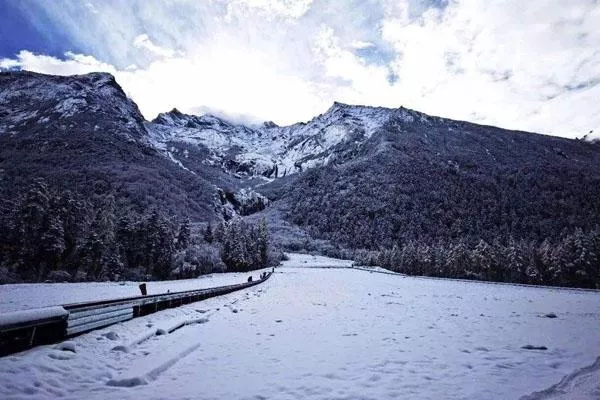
[(356, 175), (94, 102), (273, 151), (81, 133)]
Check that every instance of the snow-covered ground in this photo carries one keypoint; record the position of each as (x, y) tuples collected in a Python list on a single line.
[(24, 296), (332, 333)]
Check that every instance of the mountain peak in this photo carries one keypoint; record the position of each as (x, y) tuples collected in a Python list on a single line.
[(74, 98), (337, 105), (99, 76), (270, 124), (170, 117), (177, 118)]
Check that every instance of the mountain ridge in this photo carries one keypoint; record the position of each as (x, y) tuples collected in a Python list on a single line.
[(354, 177)]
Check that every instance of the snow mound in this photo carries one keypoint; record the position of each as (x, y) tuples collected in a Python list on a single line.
[(67, 345), (583, 384), (150, 367)]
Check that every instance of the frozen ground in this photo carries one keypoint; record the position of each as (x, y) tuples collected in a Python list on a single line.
[(31, 295), (333, 333)]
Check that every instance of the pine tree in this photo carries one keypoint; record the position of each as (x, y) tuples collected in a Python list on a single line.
[(481, 258), (31, 222), (394, 259), (159, 244), (74, 215), (458, 260), (263, 243), (99, 253), (183, 237), (515, 262), (52, 245), (208, 234), (239, 252)]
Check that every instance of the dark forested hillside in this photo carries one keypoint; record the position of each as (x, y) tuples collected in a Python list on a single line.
[(448, 181), (86, 181), (82, 133), (83, 191), (438, 183)]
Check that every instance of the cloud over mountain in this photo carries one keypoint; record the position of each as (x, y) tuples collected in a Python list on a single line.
[(532, 66)]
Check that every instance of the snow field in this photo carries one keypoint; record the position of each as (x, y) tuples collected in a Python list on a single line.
[(332, 333), (25, 296)]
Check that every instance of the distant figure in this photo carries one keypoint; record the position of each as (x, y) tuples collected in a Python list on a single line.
[(250, 279)]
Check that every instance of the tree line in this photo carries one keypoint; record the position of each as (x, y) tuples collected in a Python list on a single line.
[(532, 219), (59, 235), (573, 260)]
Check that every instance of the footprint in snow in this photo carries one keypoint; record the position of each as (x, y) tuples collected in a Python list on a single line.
[(111, 335), (66, 346)]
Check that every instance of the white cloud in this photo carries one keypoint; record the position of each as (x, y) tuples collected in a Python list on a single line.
[(234, 83), (270, 8), (72, 64), (511, 64), (524, 65), (359, 44), (9, 63), (91, 7), (143, 42)]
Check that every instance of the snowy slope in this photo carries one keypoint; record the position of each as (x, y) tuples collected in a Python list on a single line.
[(259, 150), (32, 102), (24, 296), (323, 333), (78, 131)]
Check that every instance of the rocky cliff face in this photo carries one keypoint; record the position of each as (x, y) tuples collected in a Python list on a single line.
[(36, 103)]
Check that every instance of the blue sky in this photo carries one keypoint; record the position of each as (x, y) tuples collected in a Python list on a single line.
[(531, 65), (18, 31)]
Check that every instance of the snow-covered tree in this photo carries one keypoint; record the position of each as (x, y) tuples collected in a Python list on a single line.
[(184, 235)]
